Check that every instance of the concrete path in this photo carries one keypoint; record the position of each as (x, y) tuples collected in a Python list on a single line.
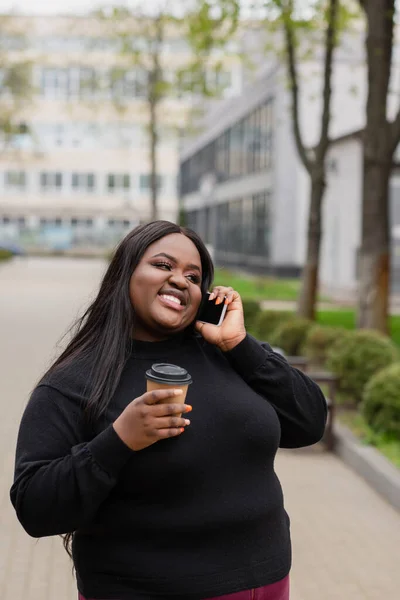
[(345, 537)]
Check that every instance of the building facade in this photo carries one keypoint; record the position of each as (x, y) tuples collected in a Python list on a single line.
[(78, 173), (341, 218), (245, 190)]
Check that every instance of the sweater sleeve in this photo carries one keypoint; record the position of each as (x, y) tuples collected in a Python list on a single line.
[(60, 479), (298, 401)]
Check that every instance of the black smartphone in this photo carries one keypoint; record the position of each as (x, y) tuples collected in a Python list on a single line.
[(210, 312)]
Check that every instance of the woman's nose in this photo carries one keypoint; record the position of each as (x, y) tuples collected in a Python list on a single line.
[(178, 279)]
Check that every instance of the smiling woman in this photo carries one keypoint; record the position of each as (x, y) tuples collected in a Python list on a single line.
[(165, 289), (157, 505)]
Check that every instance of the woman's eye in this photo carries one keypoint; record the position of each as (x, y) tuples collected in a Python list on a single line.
[(194, 278), (163, 265)]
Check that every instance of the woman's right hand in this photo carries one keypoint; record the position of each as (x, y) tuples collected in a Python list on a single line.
[(145, 420)]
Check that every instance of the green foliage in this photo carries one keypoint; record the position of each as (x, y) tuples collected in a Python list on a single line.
[(5, 254), (140, 34), (290, 335), (16, 83), (356, 357), (381, 401), (268, 320), (319, 340), (347, 319), (252, 310), (337, 318)]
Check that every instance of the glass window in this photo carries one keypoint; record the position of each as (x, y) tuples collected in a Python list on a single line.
[(51, 181), (55, 83), (111, 182), (118, 182), (243, 149), (145, 182), (15, 180), (83, 182), (261, 224)]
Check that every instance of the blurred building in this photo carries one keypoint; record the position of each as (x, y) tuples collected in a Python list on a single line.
[(245, 190), (78, 172), (342, 217)]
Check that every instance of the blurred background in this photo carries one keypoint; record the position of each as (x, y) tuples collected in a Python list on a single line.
[(272, 128)]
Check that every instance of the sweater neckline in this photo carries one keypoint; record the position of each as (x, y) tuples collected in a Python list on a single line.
[(142, 349)]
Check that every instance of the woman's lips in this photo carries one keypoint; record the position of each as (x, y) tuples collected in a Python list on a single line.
[(169, 303)]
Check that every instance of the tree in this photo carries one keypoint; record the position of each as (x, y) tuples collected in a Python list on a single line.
[(380, 139), (314, 161), (141, 38), (299, 24), (16, 87)]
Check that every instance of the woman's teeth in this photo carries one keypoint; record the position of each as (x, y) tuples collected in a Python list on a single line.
[(171, 298)]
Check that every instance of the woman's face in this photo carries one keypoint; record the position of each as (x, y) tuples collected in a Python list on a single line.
[(165, 288)]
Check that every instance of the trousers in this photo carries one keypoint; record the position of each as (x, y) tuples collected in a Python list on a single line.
[(274, 591)]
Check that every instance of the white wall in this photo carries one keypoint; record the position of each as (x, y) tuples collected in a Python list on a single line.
[(285, 183), (341, 221)]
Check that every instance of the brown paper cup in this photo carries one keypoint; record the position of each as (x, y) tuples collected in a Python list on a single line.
[(164, 376), (153, 385)]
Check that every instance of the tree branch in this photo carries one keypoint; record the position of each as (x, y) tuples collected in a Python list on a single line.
[(293, 77), (330, 43)]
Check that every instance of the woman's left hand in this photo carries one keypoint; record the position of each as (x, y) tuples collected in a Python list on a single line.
[(232, 330)]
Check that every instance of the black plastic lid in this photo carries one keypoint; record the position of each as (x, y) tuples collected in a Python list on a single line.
[(170, 374)]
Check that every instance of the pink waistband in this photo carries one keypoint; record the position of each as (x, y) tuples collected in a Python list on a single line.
[(275, 591)]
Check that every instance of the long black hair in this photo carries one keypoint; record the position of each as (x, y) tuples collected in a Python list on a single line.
[(104, 332)]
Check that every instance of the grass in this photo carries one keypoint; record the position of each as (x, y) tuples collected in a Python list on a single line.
[(274, 288), (388, 445), (259, 288), (347, 319)]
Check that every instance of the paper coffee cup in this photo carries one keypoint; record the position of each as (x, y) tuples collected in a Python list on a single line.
[(163, 376)]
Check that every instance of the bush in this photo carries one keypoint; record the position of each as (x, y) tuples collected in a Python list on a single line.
[(356, 357), (319, 341), (381, 401), (290, 335), (5, 254), (251, 310), (268, 320)]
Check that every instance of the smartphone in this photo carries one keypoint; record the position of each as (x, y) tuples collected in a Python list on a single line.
[(210, 312)]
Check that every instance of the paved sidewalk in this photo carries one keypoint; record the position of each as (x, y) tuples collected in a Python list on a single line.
[(345, 537)]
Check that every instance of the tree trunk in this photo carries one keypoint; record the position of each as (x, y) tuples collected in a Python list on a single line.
[(309, 282), (378, 147), (153, 161), (374, 264), (315, 166)]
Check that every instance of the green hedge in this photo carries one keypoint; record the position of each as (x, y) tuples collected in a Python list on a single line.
[(319, 341), (381, 401), (268, 320), (356, 357), (291, 335), (252, 310)]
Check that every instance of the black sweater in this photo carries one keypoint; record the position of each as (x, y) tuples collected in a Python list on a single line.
[(186, 518)]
